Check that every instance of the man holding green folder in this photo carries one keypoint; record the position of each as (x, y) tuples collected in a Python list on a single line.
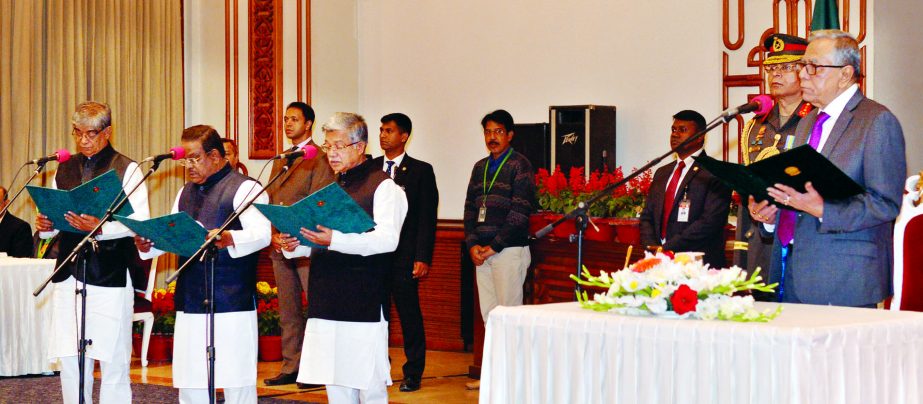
[(211, 196), (110, 295), (346, 337)]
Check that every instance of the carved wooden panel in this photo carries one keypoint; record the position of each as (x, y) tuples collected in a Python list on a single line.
[(265, 77), (795, 11)]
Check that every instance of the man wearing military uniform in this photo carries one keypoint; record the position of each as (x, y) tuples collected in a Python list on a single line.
[(767, 135)]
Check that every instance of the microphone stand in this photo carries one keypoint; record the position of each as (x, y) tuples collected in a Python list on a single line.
[(80, 250), (35, 173), (208, 251), (579, 213)]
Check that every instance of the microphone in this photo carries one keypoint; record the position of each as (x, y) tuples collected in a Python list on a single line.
[(175, 153), (308, 152), (760, 105), (60, 156)]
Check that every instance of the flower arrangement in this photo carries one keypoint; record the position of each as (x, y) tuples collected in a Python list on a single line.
[(267, 309), (164, 309), (661, 285), (560, 194)]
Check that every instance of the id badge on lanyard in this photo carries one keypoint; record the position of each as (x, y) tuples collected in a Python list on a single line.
[(682, 212)]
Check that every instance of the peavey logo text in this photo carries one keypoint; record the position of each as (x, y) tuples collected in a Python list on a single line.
[(569, 138)]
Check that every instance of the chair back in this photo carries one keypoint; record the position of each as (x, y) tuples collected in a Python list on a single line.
[(151, 278), (908, 256)]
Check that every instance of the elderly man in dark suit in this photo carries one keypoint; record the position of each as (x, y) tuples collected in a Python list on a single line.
[(839, 252), (418, 236), (15, 234), (687, 207)]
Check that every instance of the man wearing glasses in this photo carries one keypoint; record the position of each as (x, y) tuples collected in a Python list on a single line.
[(304, 177), (346, 337), (500, 198), (768, 135), (839, 251), (213, 193), (110, 295)]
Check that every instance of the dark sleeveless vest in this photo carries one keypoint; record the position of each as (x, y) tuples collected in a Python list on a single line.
[(108, 265), (235, 278), (347, 287)]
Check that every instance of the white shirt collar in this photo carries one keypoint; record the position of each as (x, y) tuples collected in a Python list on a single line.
[(303, 143), (397, 162), (835, 109)]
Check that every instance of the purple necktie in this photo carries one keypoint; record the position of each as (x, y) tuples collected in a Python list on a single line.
[(786, 229)]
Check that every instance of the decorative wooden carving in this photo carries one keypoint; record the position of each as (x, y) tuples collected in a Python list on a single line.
[(756, 55), (265, 77)]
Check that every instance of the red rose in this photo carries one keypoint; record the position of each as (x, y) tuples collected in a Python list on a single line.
[(684, 300)]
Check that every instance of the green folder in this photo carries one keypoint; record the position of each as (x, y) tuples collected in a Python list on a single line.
[(177, 233), (329, 206), (93, 198), (793, 168)]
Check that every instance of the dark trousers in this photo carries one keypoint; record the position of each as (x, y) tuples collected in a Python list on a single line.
[(291, 279), (405, 294)]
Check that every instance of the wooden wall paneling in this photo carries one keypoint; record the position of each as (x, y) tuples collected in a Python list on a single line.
[(265, 77)]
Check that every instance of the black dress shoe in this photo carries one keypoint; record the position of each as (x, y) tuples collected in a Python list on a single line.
[(410, 384), (281, 379), (304, 386)]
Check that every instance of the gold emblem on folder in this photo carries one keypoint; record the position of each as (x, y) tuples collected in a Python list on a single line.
[(792, 171)]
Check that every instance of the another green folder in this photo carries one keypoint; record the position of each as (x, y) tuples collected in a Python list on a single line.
[(177, 233), (329, 206), (93, 198), (793, 168)]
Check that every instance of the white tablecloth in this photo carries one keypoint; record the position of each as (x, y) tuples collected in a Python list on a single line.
[(560, 353), (24, 319)]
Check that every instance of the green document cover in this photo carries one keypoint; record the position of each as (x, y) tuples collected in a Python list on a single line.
[(177, 233), (93, 198), (329, 206), (793, 168)]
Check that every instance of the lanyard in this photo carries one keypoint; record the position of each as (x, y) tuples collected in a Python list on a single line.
[(486, 188)]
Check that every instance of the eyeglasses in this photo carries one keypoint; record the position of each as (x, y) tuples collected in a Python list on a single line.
[(189, 161), (326, 148), (497, 131), (783, 67), (811, 68), (88, 135)]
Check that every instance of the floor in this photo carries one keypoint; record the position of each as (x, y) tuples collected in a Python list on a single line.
[(443, 381)]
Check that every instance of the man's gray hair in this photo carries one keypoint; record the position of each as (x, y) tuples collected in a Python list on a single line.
[(845, 49), (353, 124), (93, 114)]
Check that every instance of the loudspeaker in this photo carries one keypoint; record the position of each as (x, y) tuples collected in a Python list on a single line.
[(583, 136), (534, 141)]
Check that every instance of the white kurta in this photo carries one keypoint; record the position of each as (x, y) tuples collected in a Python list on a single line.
[(109, 309), (235, 332), (355, 354)]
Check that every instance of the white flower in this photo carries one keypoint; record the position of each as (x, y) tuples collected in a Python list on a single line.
[(656, 305)]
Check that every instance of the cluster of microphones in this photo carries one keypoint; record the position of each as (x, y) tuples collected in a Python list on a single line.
[(177, 153)]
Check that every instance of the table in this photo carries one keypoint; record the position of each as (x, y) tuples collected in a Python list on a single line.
[(560, 353), (24, 319)]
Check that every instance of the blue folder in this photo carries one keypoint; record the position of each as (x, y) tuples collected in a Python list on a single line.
[(93, 198)]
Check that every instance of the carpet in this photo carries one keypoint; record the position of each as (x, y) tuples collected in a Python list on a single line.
[(47, 389)]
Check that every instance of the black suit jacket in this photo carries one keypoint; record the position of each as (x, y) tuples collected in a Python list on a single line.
[(15, 236), (418, 235), (709, 202)]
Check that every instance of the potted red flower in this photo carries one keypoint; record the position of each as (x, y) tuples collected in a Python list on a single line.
[(160, 347), (270, 328)]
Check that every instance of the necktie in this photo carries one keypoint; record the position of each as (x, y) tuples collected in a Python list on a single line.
[(670, 197), (786, 229), (390, 164)]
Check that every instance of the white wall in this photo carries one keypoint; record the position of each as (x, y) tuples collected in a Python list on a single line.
[(898, 83), (446, 64)]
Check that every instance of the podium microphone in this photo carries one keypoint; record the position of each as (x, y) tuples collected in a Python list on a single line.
[(308, 152), (175, 153), (760, 105), (60, 156)]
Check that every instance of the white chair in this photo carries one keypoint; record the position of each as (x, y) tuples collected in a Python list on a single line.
[(147, 316), (908, 262)]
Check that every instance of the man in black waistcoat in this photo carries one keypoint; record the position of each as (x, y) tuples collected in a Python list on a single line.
[(346, 338), (110, 295), (15, 233), (213, 193), (418, 236)]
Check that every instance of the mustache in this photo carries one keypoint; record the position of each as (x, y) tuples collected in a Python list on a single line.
[(493, 143)]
